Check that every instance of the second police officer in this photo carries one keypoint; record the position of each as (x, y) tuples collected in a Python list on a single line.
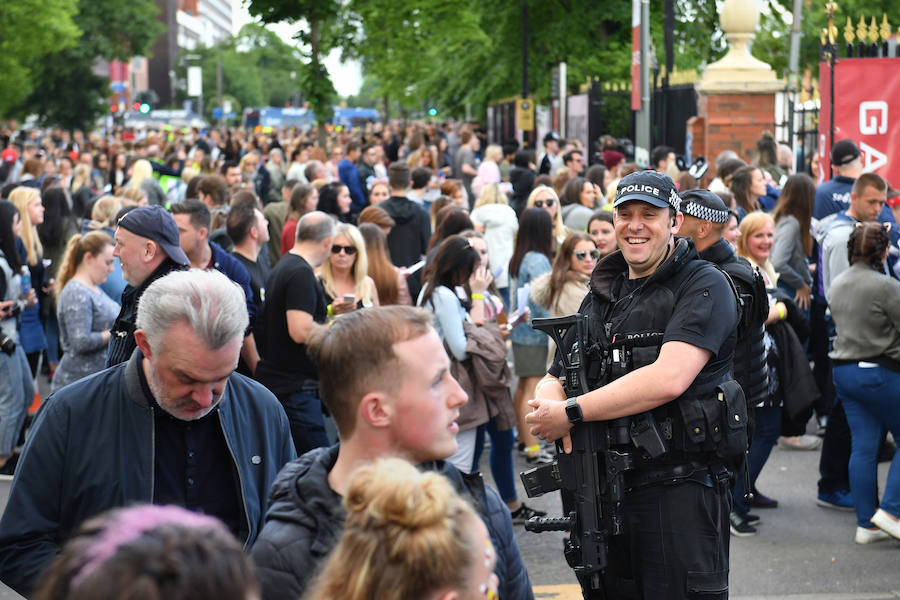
[(668, 319)]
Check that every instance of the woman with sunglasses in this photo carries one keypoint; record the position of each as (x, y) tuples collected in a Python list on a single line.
[(562, 289), (545, 197), (344, 273)]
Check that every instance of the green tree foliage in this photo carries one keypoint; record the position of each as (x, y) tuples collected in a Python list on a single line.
[(451, 53), (65, 91), (257, 68), (319, 20), (29, 30)]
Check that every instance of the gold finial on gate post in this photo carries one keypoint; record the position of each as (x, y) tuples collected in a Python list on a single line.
[(831, 8), (849, 34), (862, 30), (873, 32), (885, 28)]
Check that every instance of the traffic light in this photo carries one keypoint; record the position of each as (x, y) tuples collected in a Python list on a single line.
[(113, 108), (144, 108), (136, 106), (432, 112)]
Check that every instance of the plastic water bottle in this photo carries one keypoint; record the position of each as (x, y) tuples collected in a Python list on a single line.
[(26, 280)]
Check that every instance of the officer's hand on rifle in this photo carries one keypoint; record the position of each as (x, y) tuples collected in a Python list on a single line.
[(548, 418)]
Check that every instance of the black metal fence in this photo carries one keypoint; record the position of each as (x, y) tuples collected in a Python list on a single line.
[(670, 109), (801, 123)]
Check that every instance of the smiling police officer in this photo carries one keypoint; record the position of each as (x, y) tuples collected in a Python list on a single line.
[(661, 336)]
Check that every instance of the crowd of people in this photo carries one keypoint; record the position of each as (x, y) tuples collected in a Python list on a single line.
[(193, 295)]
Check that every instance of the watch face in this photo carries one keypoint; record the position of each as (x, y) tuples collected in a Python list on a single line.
[(573, 411)]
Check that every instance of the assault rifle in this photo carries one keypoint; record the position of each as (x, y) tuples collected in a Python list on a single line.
[(591, 478)]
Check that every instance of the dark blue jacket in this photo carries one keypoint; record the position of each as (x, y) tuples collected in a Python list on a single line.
[(92, 449), (306, 517), (235, 271), (349, 176)]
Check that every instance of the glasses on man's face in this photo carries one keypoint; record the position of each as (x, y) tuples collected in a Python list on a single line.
[(348, 250), (542, 203), (583, 254)]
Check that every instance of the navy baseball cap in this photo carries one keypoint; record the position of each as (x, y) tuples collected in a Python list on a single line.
[(705, 205), (155, 223), (651, 187), (843, 152)]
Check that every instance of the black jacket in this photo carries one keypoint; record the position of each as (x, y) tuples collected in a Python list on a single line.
[(306, 518), (92, 448), (408, 240), (750, 368)]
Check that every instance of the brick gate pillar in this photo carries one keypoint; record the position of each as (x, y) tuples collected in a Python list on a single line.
[(736, 95)]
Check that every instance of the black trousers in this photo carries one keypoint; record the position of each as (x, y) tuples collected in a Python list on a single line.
[(676, 543)]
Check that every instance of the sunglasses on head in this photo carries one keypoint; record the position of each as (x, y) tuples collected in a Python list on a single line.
[(582, 254), (348, 250), (541, 203)]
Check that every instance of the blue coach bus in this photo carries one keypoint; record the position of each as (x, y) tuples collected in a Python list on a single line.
[(302, 118)]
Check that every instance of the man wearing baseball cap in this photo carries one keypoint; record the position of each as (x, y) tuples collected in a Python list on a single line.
[(147, 244), (550, 161), (833, 196), (661, 336)]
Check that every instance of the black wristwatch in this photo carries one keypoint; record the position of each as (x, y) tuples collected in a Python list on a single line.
[(573, 411)]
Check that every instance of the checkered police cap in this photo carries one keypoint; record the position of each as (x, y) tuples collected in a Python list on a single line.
[(705, 205)]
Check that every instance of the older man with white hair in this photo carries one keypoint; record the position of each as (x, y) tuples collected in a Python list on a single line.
[(172, 425)]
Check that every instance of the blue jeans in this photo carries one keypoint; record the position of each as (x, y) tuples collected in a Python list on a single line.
[(768, 429), (871, 399), (16, 394), (304, 412), (51, 332), (501, 458)]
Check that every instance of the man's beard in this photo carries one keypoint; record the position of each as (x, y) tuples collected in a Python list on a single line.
[(169, 404)]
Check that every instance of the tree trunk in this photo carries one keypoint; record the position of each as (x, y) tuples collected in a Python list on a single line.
[(314, 34)]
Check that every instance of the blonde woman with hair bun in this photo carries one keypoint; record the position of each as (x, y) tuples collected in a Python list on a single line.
[(407, 535)]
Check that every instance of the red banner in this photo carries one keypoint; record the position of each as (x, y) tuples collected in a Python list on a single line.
[(636, 55), (866, 110)]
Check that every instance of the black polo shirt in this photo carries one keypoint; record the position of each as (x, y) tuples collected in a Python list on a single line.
[(193, 466)]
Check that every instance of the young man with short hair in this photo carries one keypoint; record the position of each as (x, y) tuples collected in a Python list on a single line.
[(193, 220), (400, 402)]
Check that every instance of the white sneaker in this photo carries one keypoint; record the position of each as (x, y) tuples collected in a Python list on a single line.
[(886, 523), (800, 442), (870, 536)]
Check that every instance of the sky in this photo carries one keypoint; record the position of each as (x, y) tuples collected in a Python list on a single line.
[(346, 77)]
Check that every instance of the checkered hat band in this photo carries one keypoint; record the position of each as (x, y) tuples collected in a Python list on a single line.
[(675, 200), (707, 214)]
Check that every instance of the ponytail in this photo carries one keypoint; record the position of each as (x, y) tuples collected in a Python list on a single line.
[(90, 243)]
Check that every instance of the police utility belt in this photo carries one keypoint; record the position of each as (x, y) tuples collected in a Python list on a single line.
[(692, 436)]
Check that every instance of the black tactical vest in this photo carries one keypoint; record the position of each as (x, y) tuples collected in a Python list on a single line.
[(625, 332)]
